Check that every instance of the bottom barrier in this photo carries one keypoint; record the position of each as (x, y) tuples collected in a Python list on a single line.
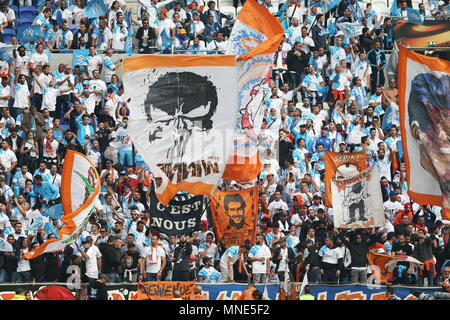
[(226, 291)]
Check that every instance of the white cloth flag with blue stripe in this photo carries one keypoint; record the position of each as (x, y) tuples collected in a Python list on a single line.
[(5, 246), (96, 8), (350, 29)]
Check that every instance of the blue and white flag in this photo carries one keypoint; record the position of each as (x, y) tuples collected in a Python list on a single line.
[(166, 40), (96, 8), (5, 56), (281, 13), (388, 118), (29, 34), (54, 212), (37, 220), (80, 58), (50, 229), (414, 16), (129, 40), (447, 8), (331, 28), (331, 4), (5, 246), (350, 29)]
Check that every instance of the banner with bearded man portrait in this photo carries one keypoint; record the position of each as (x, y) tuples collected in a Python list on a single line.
[(234, 215)]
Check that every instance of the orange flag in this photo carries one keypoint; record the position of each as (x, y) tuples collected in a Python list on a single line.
[(234, 215), (163, 290), (337, 163)]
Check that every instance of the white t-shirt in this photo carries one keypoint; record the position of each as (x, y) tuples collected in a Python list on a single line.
[(275, 205), (49, 98), (39, 59), (153, 259), (259, 252), (91, 264), (21, 96), (7, 158), (23, 264)]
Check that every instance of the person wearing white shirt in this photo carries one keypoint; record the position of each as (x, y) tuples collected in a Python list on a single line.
[(22, 93), (260, 257), (306, 42), (94, 61), (93, 259), (5, 92), (154, 260), (55, 177), (165, 29), (277, 204), (119, 30), (153, 7), (218, 45), (39, 58)]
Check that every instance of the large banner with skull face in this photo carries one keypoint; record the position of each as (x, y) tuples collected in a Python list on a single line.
[(182, 119), (234, 214), (357, 200), (424, 104)]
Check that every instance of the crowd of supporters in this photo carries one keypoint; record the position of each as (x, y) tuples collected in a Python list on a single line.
[(326, 92)]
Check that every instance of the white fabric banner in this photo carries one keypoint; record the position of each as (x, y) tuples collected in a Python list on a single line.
[(182, 119), (357, 200)]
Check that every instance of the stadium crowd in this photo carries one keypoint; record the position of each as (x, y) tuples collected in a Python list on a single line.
[(326, 92)]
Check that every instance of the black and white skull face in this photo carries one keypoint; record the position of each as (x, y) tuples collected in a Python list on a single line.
[(177, 104)]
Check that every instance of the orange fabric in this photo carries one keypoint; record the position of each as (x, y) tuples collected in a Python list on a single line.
[(242, 169), (427, 265), (377, 262), (260, 19), (247, 294), (149, 61), (434, 64), (197, 297), (398, 217), (163, 290), (333, 160), (234, 229)]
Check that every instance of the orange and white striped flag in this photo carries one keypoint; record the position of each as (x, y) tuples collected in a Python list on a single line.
[(254, 39), (80, 189)]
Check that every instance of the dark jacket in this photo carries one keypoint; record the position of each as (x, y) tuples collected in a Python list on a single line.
[(182, 254), (18, 143), (359, 251), (151, 36), (76, 44), (296, 63), (111, 258), (319, 41), (291, 257)]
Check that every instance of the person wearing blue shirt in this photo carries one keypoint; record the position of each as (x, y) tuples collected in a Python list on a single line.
[(211, 29), (45, 190), (324, 140)]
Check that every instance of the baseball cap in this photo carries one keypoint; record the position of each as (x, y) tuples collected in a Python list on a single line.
[(86, 82), (13, 218), (441, 3), (206, 259), (182, 31), (392, 193)]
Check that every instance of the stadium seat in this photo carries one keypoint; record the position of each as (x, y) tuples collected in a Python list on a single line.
[(25, 24), (27, 13), (9, 32)]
